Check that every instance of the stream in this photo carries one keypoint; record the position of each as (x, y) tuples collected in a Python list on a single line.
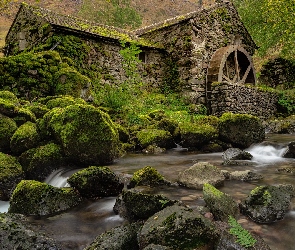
[(77, 228)]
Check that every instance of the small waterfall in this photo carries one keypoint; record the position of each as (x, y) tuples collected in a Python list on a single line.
[(58, 178), (4, 205), (266, 153)]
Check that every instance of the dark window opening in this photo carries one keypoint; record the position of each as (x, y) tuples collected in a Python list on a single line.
[(142, 56)]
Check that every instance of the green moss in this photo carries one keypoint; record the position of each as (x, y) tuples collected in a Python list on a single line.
[(7, 129), (7, 107), (147, 176), (95, 145), (24, 138), (63, 101), (38, 109), (158, 137), (7, 95), (23, 115), (36, 198)]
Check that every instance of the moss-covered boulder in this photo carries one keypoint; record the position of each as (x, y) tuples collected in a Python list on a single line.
[(39, 162), (7, 107), (241, 130), (199, 174), (147, 176), (38, 109), (23, 115), (63, 101), (7, 129), (118, 238), (87, 134), (266, 204), (16, 232), (156, 247), (95, 181), (158, 137), (134, 204), (36, 198), (11, 174), (193, 135), (7, 95), (69, 81), (220, 204), (178, 227), (24, 138)]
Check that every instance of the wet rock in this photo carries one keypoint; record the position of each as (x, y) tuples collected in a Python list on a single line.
[(199, 174), (17, 233), (37, 198), (220, 204), (228, 241), (133, 204), (118, 238), (195, 135), (241, 130), (87, 135), (290, 151), (281, 126), (157, 137), (177, 227), (39, 162), (233, 154), (96, 181), (11, 174), (267, 204), (147, 176), (245, 175)]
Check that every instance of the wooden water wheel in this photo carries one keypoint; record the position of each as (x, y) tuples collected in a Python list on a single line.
[(231, 64)]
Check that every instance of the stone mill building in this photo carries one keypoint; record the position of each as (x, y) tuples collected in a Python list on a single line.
[(205, 54)]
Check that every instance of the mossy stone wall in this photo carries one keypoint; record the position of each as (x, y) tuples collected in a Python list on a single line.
[(238, 98)]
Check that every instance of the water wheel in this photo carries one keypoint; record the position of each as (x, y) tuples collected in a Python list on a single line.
[(231, 64)]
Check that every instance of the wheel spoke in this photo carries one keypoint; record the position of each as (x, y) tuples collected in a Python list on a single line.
[(237, 66), (246, 74), (226, 78)]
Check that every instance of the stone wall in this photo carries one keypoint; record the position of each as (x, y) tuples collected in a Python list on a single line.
[(241, 99), (192, 41)]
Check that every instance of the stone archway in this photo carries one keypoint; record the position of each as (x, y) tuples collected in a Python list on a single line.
[(231, 64)]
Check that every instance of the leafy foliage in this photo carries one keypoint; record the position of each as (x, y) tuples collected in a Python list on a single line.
[(243, 236)]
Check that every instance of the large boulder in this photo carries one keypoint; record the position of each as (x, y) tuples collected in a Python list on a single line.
[(134, 204), (241, 130), (157, 137), (194, 135), (281, 126), (7, 129), (199, 174), (37, 198), (39, 162), (177, 227), (11, 174), (87, 134), (95, 181), (118, 238), (24, 138), (267, 204), (17, 233), (147, 176), (220, 204)]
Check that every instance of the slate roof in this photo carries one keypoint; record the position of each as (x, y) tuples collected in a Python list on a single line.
[(85, 26)]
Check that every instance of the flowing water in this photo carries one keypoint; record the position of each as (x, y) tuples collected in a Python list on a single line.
[(76, 228)]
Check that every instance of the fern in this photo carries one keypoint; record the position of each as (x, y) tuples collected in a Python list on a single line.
[(244, 238)]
